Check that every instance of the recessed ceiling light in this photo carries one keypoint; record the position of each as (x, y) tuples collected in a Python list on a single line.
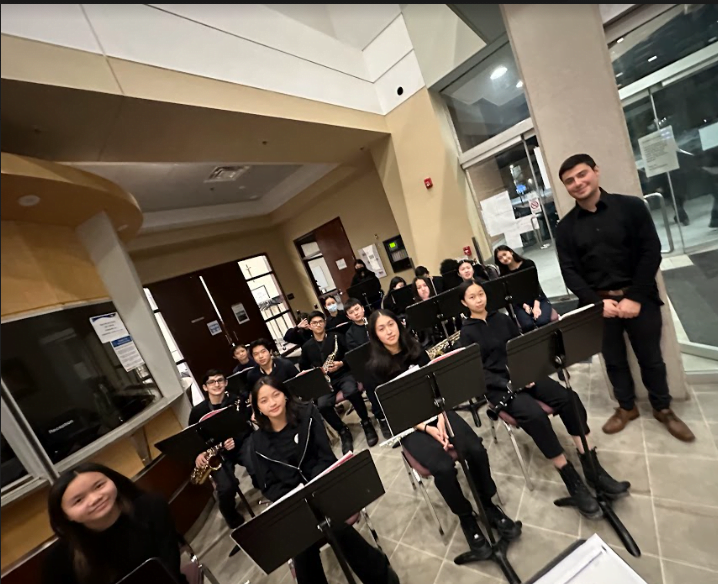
[(122, 227), (519, 84), (653, 58), (620, 40), (498, 72), (619, 74), (28, 200), (241, 187), (253, 197)]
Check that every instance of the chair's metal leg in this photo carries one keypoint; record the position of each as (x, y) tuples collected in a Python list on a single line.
[(424, 492), (409, 472), (373, 532), (524, 470), (493, 430)]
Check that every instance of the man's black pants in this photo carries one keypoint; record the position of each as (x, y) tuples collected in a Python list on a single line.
[(644, 332)]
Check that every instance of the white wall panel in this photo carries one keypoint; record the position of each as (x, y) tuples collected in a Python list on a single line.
[(146, 35), (57, 24), (386, 50), (405, 74), (256, 22), (359, 24)]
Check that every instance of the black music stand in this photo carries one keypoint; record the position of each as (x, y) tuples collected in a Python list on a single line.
[(237, 383), (576, 337), (402, 298), (520, 287), (451, 279), (430, 391), (309, 385), (151, 570), (309, 513), (357, 360), (203, 435), (368, 291)]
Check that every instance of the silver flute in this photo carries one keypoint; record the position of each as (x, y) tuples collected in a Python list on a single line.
[(396, 438)]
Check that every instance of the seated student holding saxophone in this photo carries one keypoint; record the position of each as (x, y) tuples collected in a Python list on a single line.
[(225, 482), (106, 527), (393, 351), (491, 331), (269, 365), (355, 337), (315, 353), (290, 448)]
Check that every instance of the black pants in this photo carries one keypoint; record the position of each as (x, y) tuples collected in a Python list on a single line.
[(644, 332), (375, 405), (533, 420), (367, 562), (431, 454), (227, 485), (348, 385)]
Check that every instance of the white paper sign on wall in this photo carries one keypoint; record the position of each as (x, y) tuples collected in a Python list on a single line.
[(109, 327), (659, 152), (214, 327)]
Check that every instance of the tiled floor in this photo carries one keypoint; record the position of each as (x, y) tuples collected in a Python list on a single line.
[(672, 512)]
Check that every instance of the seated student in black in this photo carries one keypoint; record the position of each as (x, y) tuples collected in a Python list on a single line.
[(268, 364), (314, 354), (226, 484), (436, 282), (492, 332), (470, 271), (355, 337), (106, 528), (530, 316), (299, 334), (291, 448), (335, 317), (393, 351), (243, 358), (388, 302)]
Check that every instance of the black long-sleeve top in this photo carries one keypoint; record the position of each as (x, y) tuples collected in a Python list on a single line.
[(491, 335), (297, 336), (315, 353), (616, 247), (355, 336), (282, 370), (149, 533), (274, 468)]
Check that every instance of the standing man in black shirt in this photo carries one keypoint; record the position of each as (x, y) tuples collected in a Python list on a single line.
[(609, 252), (277, 367), (356, 336), (314, 354)]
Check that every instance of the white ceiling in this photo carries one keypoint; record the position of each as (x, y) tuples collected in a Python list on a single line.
[(177, 195), (356, 25)]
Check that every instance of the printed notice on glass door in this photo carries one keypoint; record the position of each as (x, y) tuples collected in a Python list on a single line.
[(109, 327), (127, 353), (659, 152)]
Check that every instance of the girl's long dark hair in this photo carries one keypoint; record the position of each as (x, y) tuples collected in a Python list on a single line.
[(293, 404), (503, 269), (381, 363), (89, 559), (426, 281), (396, 280)]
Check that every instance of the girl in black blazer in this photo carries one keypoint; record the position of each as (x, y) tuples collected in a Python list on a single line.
[(491, 331), (291, 448), (393, 351)]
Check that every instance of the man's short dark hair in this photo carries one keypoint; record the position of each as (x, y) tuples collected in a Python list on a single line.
[(314, 314), (575, 160), (266, 343), (421, 271), (449, 266), (211, 373), (351, 303)]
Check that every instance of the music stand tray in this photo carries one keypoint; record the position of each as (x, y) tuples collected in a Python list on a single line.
[(521, 287), (308, 513), (151, 570), (403, 298), (450, 305), (237, 383), (357, 360), (423, 315), (309, 385)]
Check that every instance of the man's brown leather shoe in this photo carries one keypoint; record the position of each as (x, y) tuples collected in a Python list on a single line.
[(675, 425), (619, 420)]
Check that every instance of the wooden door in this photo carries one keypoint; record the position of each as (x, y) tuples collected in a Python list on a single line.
[(188, 311), (335, 247), (228, 288)]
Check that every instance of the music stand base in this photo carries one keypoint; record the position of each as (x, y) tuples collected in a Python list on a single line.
[(498, 555)]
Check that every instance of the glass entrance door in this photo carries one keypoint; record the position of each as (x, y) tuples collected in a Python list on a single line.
[(518, 172)]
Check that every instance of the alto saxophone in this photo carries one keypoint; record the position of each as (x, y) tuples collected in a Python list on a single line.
[(330, 359), (441, 347), (214, 462)]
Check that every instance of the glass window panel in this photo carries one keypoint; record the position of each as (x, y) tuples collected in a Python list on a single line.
[(11, 467), (188, 379), (310, 249), (169, 339), (321, 274), (487, 100), (256, 266), (81, 391), (150, 299)]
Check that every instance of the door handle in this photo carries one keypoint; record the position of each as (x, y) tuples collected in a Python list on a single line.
[(662, 201)]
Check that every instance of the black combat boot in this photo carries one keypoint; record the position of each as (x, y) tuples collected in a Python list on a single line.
[(585, 502), (506, 527), (384, 427), (347, 440), (602, 481), (369, 432)]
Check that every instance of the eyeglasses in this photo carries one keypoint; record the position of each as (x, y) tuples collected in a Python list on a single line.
[(316, 322), (216, 381)]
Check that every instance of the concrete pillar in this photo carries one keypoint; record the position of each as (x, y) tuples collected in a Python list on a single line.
[(120, 277), (570, 86)]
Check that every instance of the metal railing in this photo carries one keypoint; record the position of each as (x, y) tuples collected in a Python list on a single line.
[(669, 236)]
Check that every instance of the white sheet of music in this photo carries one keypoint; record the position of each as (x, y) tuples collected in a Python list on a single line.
[(594, 562)]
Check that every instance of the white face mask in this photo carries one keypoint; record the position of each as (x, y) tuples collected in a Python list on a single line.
[(332, 308)]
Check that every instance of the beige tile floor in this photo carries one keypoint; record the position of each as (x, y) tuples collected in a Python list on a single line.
[(672, 512)]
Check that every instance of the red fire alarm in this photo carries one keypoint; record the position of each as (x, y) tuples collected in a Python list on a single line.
[(467, 251), (428, 183)]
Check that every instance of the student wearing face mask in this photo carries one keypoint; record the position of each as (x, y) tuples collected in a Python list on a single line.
[(362, 273), (335, 317)]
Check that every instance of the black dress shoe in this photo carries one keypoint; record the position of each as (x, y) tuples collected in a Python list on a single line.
[(370, 433), (384, 427), (347, 440), (476, 540), (506, 527)]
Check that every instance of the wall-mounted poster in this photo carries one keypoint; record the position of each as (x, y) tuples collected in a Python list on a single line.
[(370, 255), (240, 313), (214, 327)]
